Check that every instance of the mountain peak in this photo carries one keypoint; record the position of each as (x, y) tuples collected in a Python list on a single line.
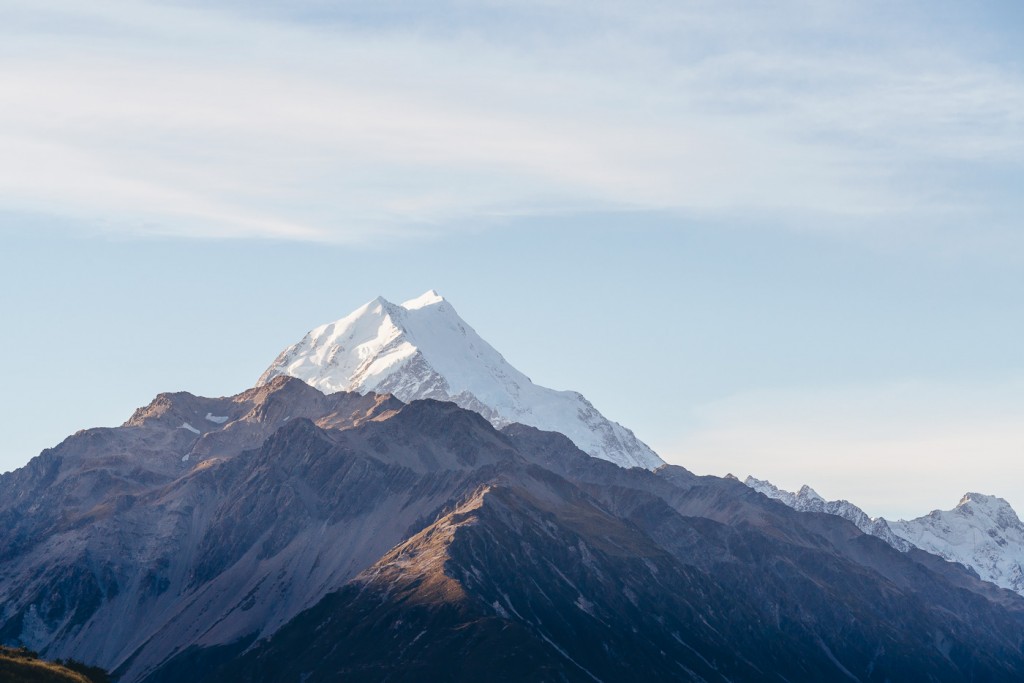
[(982, 532), (981, 499), (423, 349), (997, 510), (807, 492), (428, 298)]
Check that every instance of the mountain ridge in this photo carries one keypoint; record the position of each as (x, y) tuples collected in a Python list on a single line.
[(807, 499), (306, 524), (981, 532)]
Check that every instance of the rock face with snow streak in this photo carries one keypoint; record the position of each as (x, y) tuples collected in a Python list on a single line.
[(808, 500), (423, 349), (981, 532)]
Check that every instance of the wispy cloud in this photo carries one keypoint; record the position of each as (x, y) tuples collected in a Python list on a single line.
[(319, 123)]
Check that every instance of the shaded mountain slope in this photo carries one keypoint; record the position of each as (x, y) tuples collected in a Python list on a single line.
[(312, 537), (525, 572), (121, 557), (536, 565)]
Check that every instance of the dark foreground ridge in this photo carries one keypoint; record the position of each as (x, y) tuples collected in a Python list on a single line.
[(284, 535), (22, 665)]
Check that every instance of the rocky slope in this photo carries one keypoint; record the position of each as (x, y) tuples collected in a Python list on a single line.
[(299, 536), (423, 349), (981, 532), (620, 576), (121, 545)]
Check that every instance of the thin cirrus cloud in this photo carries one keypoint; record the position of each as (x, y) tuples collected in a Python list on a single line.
[(327, 125)]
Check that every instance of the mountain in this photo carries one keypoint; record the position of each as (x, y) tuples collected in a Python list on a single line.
[(808, 500), (981, 532), (210, 520), (287, 535), (423, 349)]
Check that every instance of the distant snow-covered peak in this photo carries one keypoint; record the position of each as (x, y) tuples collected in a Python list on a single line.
[(982, 532), (771, 490), (994, 508), (807, 492), (807, 499), (428, 298), (423, 349)]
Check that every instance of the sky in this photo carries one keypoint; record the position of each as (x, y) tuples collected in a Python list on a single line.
[(779, 239)]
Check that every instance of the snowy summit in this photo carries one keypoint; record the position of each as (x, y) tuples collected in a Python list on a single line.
[(982, 532), (423, 349)]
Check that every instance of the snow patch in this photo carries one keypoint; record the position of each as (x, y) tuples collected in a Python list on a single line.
[(585, 605), (566, 655), (186, 425), (217, 419)]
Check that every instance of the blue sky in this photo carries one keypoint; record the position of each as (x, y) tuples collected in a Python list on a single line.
[(780, 240)]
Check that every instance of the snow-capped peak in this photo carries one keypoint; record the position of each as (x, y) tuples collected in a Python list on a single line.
[(982, 532), (809, 493), (994, 508), (423, 349), (808, 500), (428, 298)]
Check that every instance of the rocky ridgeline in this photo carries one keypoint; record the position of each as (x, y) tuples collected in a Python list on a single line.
[(982, 532)]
